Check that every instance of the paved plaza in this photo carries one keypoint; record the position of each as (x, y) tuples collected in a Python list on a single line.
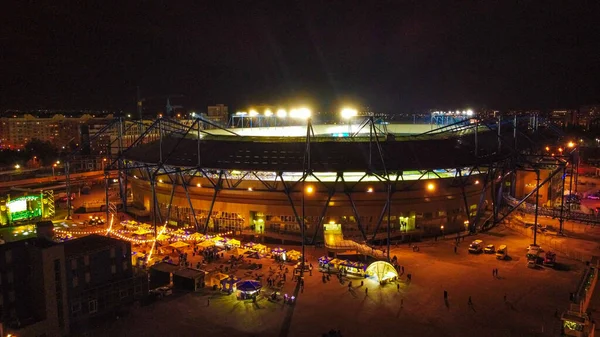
[(416, 308)]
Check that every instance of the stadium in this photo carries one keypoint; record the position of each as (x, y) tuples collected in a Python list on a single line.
[(366, 181)]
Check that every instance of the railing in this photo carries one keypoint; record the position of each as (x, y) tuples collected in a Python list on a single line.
[(554, 213)]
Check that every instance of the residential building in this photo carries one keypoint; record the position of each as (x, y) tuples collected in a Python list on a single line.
[(51, 289), (33, 297), (100, 277), (62, 131)]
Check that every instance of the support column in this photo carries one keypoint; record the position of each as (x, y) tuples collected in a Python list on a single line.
[(537, 199), (389, 209), (562, 202), (68, 185), (217, 187), (106, 177), (187, 195)]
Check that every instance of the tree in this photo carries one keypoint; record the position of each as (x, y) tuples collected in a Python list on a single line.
[(45, 151)]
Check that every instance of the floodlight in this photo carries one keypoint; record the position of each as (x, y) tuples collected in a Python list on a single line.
[(348, 113), (253, 113), (469, 112), (268, 113), (241, 113), (301, 113), (281, 113)]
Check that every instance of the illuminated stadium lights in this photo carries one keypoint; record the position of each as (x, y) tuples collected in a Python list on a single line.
[(268, 113), (430, 186), (281, 113), (348, 113), (301, 113), (253, 113)]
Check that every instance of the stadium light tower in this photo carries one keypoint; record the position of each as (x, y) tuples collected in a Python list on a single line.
[(281, 113), (348, 114)]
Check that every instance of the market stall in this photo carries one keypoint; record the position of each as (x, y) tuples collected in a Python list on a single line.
[(248, 289), (206, 244), (261, 249), (179, 245), (234, 243), (292, 255)]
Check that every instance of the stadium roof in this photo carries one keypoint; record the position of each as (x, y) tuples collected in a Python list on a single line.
[(329, 155)]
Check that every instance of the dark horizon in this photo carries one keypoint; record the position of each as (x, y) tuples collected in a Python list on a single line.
[(394, 58)]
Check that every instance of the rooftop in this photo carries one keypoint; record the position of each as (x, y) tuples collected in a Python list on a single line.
[(189, 272), (93, 242), (165, 267)]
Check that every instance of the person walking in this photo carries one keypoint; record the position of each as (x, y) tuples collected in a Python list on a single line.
[(454, 249), (445, 295), (504, 297), (470, 301), (366, 291), (398, 287)]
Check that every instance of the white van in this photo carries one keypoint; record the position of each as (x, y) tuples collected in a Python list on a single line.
[(476, 247)]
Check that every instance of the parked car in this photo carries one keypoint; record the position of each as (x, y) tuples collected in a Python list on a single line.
[(475, 247), (162, 291), (489, 249)]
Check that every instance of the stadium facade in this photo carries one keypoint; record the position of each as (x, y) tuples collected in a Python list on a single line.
[(373, 180)]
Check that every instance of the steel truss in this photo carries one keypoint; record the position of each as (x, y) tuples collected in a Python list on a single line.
[(510, 133)]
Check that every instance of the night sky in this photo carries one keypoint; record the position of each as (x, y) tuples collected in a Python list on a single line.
[(393, 56)]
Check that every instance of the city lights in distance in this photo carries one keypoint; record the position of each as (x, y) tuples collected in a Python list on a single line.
[(348, 113), (430, 186)]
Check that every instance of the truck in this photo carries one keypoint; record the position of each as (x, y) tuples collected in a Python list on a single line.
[(550, 259), (502, 252)]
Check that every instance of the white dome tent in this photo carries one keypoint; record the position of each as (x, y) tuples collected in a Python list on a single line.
[(382, 271)]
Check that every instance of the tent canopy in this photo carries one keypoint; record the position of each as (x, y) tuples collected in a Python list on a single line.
[(238, 251), (248, 286), (381, 270), (206, 244), (217, 239), (234, 242), (259, 247), (196, 237), (163, 237), (141, 231), (179, 244)]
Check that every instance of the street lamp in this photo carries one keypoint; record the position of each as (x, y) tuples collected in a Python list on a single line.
[(431, 187), (53, 166), (17, 166)]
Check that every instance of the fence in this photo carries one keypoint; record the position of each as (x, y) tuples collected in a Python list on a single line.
[(548, 241)]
